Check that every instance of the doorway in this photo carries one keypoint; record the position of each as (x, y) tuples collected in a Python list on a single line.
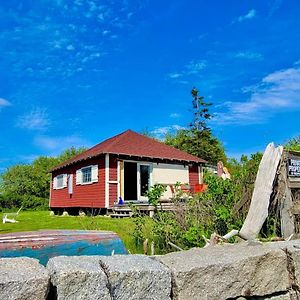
[(136, 181), (130, 181)]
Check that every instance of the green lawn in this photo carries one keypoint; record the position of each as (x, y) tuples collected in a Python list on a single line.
[(36, 220)]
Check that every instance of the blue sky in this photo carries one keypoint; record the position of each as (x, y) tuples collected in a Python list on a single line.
[(73, 73)]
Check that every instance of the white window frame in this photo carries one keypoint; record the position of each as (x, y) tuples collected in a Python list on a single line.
[(63, 178), (94, 175), (151, 183), (90, 175)]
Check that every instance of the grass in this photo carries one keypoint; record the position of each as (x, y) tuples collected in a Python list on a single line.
[(37, 220)]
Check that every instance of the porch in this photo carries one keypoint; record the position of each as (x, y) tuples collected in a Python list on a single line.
[(128, 209)]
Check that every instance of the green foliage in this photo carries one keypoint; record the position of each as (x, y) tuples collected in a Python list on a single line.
[(219, 209), (28, 185), (199, 143), (154, 193), (201, 215), (243, 176), (293, 144), (138, 234)]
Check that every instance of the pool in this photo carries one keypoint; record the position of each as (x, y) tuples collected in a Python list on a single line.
[(43, 245)]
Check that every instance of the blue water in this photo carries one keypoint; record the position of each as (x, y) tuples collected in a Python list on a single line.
[(43, 254)]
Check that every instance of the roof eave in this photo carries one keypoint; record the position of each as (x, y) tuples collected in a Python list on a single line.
[(201, 161)]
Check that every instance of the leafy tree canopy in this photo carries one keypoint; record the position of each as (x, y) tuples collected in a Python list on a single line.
[(293, 144), (32, 180), (199, 143)]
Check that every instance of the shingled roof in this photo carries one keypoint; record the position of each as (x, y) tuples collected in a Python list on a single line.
[(133, 144)]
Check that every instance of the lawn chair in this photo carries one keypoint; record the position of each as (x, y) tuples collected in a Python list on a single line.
[(10, 217)]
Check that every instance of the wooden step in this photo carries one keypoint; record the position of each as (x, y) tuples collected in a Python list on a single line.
[(120, 215)]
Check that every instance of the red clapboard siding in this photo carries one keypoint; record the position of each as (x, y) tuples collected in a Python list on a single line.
[(193, 176), (113, 176), (89, 195)]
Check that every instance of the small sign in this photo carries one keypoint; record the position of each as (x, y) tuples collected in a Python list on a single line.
[(294, 167)]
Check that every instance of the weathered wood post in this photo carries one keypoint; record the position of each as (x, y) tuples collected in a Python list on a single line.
[(258, 211)]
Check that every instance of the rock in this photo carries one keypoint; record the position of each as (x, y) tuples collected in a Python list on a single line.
[(136, 277), (23, 278), (78, 277), (81, 213), (227, 271), (279, 297), (285, 296)]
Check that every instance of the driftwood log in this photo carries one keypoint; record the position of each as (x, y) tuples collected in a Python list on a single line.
[(263, 188)]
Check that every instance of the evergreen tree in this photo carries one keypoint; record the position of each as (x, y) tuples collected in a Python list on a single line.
[(198, 140)]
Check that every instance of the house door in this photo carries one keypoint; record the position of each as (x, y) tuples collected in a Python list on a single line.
[(143, 180), (130, 181)]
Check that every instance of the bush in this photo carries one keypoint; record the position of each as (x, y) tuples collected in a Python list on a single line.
[(27, 202), (202, 215)]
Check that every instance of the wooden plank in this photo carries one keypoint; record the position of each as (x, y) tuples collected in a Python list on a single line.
[(263, 188)]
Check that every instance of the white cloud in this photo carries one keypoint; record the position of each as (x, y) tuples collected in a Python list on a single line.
[(36, 119), (160, 132), (175, 75), (276, 92), (4, 102), (250, 15), (58, 144), (174, 115), (194, 67), (105, 32), (248, 55), (70, 47)]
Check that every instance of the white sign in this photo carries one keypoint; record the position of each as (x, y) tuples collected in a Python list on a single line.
[(294, 167)]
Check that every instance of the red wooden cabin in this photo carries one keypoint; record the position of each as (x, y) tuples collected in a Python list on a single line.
[(125, 166)]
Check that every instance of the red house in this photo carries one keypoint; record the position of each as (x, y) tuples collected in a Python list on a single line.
[(125, 166)]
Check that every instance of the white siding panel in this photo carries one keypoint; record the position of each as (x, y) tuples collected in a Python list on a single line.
[(169, 174)]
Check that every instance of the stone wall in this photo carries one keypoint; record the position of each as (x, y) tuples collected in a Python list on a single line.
[(240, 271)]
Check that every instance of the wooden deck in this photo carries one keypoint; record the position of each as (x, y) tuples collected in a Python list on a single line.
[(125, 210)]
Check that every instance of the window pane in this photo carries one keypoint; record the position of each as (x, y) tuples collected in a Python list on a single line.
[(145, 178), (87, 174), (59, 181)]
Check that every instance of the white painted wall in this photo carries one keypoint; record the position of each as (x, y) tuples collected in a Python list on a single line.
[(169, 174)]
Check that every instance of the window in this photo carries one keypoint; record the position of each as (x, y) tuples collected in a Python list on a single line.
[(86, 174), (60, 181)]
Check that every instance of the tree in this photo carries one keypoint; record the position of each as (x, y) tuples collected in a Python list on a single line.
[(30, 183), (293, 144), (198, 140), (200, 111)]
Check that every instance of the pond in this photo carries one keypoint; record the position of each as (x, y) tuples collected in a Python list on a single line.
[(43, 245)]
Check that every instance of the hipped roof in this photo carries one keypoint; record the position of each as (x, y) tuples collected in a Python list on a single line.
[(130, 143)]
